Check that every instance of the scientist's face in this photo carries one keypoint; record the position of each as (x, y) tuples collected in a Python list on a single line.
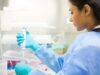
[(78, 17)]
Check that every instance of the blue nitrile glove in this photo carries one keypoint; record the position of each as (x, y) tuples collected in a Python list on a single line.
[(22, 69), (29, 41)]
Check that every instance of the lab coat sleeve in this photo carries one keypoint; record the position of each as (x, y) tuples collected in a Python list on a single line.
[(49, 58), (52, 60), (79, 64), (84, 62)]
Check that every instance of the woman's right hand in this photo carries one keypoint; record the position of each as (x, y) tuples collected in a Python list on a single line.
[(29, 43)]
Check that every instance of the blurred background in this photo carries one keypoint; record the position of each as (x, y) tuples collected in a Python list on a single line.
[(46, 20)]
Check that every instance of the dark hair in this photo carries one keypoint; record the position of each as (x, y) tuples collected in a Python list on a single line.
[(94, 4)]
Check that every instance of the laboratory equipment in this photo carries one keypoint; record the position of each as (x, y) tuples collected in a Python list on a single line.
[(12, 58), (23, 45)]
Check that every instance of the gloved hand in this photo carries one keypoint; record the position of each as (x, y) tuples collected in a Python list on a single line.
[(29, 41), (22, 69)]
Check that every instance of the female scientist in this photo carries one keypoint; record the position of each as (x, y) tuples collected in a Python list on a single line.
[(83, 56)]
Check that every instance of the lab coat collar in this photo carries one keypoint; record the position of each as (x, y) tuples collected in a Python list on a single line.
[(96, 29)]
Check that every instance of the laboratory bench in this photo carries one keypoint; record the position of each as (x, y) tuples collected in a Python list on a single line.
[(13, 73), (41, 67)]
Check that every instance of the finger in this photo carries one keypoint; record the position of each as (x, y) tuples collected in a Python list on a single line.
[(20, 42), (19, 35), (21, 39)]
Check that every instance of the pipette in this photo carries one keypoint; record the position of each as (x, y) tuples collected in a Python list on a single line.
[(24, 43)]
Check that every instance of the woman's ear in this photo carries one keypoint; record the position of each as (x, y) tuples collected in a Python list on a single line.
[(87, 9)]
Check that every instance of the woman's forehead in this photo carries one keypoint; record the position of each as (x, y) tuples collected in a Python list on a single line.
[(72, 7)]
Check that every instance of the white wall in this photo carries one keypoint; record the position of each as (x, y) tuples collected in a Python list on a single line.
[(46, 17), (39, 15)]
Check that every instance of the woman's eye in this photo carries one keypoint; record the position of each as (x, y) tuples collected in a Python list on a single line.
[(71, 12)]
